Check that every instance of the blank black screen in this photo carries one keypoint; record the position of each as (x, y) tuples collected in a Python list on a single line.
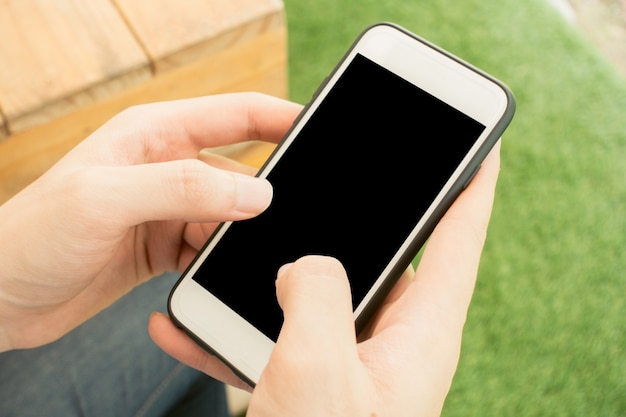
[(352, 185)]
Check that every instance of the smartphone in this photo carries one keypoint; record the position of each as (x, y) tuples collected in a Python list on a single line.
[(374, 160)]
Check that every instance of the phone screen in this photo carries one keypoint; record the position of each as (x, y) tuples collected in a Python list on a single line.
[(353, 184)]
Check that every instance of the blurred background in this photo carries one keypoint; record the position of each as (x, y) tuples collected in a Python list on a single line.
[(546, 330)]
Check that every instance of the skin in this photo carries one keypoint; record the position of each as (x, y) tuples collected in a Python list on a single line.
[(403, 364), (139, 197), (130, 202)]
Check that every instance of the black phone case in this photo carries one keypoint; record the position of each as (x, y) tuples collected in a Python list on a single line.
[(418, 242), (462, 182)]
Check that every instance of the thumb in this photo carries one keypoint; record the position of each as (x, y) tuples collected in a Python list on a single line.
[(314, 294), (187, 190), (317, 342)]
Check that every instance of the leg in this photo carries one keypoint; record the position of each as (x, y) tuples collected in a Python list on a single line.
[(108, 367)]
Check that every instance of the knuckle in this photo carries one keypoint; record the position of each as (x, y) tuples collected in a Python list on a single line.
[(82, 184), (200, 188), (187, 181), (86, 193)]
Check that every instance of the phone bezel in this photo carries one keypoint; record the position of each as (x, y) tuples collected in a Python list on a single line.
[(434, 70)]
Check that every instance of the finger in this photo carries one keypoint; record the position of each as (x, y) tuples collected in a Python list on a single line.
[(400, 286), (233, 117), (476, 202), (180, 129), (428, 317), (447, 271), (186, 190), (225, 163), (196, 234), (187, 253), (314, 294), (177, 344), (396, 292)]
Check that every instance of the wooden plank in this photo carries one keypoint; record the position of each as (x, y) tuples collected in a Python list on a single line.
[(63, 54), (259, 64), (175, 32), (3, 130)]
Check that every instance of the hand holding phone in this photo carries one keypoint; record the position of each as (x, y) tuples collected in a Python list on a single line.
[(393, 136)]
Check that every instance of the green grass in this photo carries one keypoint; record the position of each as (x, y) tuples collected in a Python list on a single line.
[(546, 331)]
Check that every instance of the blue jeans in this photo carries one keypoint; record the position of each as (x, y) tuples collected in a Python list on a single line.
[(109, 366)]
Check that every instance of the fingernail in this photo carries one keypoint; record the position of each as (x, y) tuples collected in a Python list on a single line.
[(253, 194), (283, 270)]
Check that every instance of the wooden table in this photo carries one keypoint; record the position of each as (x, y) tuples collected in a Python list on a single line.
[(69, 65)]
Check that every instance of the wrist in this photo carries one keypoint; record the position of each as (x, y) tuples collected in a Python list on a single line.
[(7, 320), (5, 340), (13, 275)]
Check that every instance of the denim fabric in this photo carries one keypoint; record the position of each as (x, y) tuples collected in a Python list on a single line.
[(109, 366)]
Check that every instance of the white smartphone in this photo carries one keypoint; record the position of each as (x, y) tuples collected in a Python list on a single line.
[(372, 163)]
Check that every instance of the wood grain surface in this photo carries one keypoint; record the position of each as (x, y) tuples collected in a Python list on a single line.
[(255, 62)]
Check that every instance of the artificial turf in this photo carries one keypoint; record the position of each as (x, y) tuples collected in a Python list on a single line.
[(546, 331)]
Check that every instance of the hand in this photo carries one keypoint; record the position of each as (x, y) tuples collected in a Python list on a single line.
[(128, 203), (404, 362)]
